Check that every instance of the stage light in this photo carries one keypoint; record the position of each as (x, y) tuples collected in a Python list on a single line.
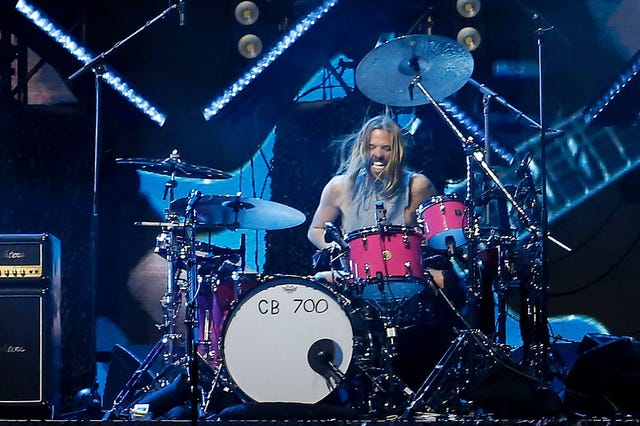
[(470, 38), (249, 46), (83, 55), (468, 8), (247, 12), (285, 42)]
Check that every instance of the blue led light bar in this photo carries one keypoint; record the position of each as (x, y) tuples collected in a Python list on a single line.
[(84, 56), (287, 40)]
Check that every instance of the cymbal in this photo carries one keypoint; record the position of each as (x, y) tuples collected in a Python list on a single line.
[(233, 212), (174, 166), (385, 73)]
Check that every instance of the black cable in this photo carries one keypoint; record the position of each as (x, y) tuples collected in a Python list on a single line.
[(593, 235), (621, 258)]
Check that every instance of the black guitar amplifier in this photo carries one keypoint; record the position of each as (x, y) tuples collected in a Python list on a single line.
[(30, 349), (30, 258)]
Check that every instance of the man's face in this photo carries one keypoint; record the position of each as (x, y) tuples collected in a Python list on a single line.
[(379, 151)]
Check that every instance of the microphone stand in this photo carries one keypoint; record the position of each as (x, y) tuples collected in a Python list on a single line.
[(98, 71), (538, 344), (102, 56), (490, 94)]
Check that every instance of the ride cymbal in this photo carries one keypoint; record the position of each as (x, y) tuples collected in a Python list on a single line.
[(385, 74)]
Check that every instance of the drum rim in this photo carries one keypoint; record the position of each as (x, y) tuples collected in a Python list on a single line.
[(436, 199), (374, 230)]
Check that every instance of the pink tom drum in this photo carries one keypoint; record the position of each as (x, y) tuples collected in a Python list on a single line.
[(388, 259), (443, 219)]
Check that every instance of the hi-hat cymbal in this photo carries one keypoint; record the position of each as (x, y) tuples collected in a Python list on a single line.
[(385, 73), (174, 166), (233, 212)]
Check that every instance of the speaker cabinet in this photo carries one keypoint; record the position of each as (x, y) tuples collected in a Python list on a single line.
[(30, 352)]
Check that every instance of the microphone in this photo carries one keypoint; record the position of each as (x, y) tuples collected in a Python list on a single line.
[(451, 244), (437, 261), (181, 12), (381, 213), (332, 234), (194, 196), (321, 356)]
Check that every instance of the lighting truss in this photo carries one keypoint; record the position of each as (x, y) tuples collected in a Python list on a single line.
[(83, 55), (614, 107), (283, 44)]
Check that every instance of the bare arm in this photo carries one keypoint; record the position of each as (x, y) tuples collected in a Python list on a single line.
[(421, 191), (328, 210)]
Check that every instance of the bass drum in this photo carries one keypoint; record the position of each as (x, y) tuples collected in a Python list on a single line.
[(289, 340)]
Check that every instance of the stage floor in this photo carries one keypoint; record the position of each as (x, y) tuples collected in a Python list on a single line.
[(427, 419)]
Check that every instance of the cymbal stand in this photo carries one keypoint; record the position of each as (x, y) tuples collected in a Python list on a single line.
[(171, 299), (165, 346)]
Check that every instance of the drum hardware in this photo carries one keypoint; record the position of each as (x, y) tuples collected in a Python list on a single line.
[(478, 157), (408, 62), (447, 384), (381, 215), (176, 243), (133, 384), (168, 243), (389, 391)]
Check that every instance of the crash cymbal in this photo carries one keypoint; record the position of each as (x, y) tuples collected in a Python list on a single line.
[(174, 166), (385, 73), (233, 212)]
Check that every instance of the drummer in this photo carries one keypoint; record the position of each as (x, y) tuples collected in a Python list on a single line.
[(372, 170)]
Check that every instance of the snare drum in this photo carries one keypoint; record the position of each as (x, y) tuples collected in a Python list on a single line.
[(443, 219), (289, 340), (388, 260)]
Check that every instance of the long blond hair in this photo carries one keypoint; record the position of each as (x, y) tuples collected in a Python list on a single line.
[(354, 153)]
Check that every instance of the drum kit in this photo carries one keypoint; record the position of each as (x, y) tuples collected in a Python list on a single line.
[(293, 339)]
